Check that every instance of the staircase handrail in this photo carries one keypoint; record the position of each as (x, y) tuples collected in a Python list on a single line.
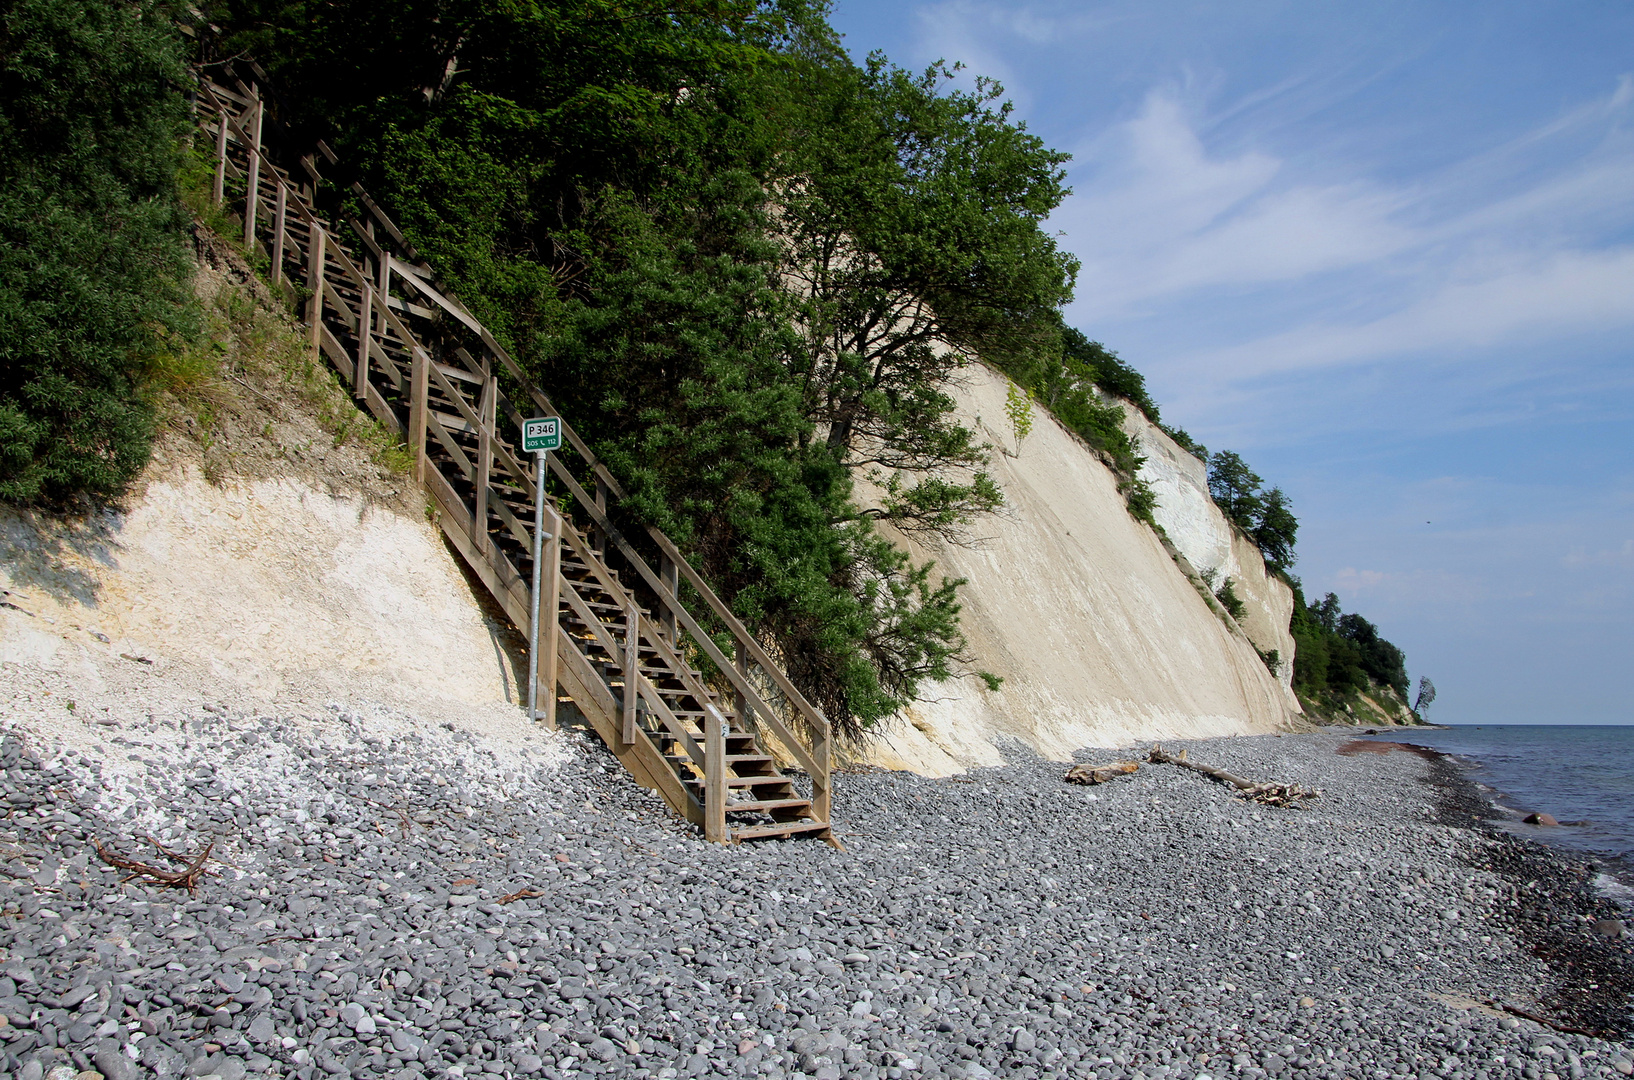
[(412, 270)]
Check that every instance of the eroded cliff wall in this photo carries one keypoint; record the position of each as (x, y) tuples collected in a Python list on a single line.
[(1202, 534), (255, 593), (1100, 637)]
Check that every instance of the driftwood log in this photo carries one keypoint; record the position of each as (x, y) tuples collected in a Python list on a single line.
[(1099, 774), (1286, 795), (192, 867)]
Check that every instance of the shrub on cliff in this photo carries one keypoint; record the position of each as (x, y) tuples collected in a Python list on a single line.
[(1065, 381), (744, 266), (93, 261), (1339, 654)]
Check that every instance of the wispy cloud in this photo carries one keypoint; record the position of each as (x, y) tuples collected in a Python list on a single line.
[(987, 38), (1581, 558), (1517, 300), (1156, 215), (1498, 247)]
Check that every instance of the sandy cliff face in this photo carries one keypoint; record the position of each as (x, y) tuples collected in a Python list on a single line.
[(297, 589), (1100, 637), (1203, 535), (257, 592)]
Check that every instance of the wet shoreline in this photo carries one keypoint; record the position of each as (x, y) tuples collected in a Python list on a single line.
[(1591, 986)]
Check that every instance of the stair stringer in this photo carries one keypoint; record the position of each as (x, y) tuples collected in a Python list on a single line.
[(439, 388), (596, 701)]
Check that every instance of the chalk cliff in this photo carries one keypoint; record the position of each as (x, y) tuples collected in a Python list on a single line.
[(1210, 544), (250, 593), (1100, 636), (299, 586)]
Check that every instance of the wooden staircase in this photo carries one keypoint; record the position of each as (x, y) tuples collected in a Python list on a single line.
[(618, 637)]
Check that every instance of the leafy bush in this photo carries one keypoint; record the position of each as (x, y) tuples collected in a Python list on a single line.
[(1066, 381), (1111, 374), (1263, 515), (1227, 595), (1187, 443), (692, 228), (94, 266), (1338, 654)]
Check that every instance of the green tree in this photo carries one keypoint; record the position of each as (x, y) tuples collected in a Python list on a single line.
[(910, 221), (513, 139), (94, 265), (1383, 662), (1338, 654), (1274, 530), (1235, 488), (1327, 613), (1425, 698)]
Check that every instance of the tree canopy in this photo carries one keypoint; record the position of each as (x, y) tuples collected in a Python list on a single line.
[(94, 266), (1338, 653), (1264, 515), (746, 267)]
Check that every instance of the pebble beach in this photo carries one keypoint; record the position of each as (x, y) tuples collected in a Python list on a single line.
[(425, 901)]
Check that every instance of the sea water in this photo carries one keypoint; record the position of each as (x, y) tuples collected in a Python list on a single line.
[(1573, 772)]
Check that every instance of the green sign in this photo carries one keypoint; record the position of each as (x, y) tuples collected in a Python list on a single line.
[(541, 433)]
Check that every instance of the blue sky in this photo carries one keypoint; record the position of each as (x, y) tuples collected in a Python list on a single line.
[(1385, 251)]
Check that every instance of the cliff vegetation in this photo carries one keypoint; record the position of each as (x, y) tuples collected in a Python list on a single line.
[(747, 267)]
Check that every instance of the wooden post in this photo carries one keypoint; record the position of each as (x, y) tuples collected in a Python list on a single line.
[(632, 668), (383, 287), (218, 189), (419, 386), (746, 713), (278, 216), (821, 795), (714, 775), (365, 334), (486, 408), (550, 612), (598, 539), (252, 184), (670, 575), (316, 256)]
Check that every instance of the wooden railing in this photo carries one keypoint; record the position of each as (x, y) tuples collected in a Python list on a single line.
[(429, 370)]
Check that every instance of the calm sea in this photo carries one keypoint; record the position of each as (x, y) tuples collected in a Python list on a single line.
[(1574, 772)]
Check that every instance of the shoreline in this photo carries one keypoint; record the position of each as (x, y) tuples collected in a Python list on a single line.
[(1616, 867), (429, 912), (1594, 986)]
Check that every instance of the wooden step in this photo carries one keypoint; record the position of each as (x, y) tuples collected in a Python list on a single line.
[(782, 830), (732, 760), (458, 393), (755, 781), (768, 805)]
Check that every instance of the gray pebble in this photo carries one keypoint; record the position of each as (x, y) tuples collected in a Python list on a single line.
[(115, 1065), (999, 924)]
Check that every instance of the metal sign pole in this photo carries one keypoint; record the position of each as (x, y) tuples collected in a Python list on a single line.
[(538, 559)]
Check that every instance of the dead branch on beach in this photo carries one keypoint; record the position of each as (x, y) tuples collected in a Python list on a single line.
[(186, 878), (520, 894), (1099, 774), (1539, 1018), (1284, 795)]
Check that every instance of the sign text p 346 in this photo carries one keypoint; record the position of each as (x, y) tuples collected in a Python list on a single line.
[(541, 433)]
